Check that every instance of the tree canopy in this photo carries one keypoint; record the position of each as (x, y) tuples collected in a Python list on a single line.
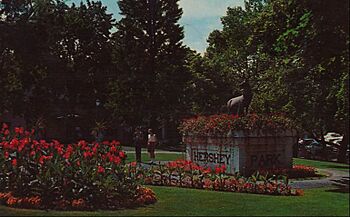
[(58, 59)]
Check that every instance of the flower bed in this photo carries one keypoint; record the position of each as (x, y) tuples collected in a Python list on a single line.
[(298, 171), (82, 176), (187, 174), (223, 124)]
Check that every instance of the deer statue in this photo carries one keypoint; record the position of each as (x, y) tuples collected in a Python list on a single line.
[(239, 105)]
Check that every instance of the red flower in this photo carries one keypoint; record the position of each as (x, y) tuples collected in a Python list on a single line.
[(66, 155), (32, 153), (223, 167), (115, 143), (95, 148), (121, 154), (100, 169), (6, 155), (44, 158), (19, 130), (87, 154), (207, 170), (59, 150), (117, 160), (220, 169), (14, 162), (7, 132), (217, 170), (113, 149)]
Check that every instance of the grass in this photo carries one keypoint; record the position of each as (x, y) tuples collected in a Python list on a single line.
[(159, 157), (321, 164), (178, 201)]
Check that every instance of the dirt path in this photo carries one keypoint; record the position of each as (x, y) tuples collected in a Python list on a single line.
[(336, 177)]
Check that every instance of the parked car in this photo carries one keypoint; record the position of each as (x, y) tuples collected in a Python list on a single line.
[(332, 137), (311, 148)]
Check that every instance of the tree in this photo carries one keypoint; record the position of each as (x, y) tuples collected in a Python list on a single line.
[(83, 51), (231, 51), (72, 61), (296, 55), (20, 70), (309, 47), (149, 58)]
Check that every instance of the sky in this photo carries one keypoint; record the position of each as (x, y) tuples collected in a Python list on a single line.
[(200, 17)]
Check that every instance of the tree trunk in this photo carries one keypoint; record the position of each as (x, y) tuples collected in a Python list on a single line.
[(343, 147), (324, 152)]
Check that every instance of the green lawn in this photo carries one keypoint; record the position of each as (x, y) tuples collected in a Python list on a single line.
[(159, 157), (185, 202), (321, 164), (178, 201)]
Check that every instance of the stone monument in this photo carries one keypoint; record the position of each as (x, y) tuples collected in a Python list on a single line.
[(243, 151)]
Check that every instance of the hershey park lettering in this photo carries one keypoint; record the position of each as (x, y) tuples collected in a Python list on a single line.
[(265, 160), (218, 158)]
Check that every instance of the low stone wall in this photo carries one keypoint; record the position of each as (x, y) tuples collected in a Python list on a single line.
[(243, 151)]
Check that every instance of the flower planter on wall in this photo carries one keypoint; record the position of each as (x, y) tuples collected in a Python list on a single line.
[(243, 151)]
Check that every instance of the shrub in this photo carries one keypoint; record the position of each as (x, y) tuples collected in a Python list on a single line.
[(74, 176)]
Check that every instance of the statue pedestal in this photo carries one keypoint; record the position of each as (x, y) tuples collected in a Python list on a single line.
[(243, 151)]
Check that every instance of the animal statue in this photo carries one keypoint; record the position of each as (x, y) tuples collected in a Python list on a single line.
[(239, 105)]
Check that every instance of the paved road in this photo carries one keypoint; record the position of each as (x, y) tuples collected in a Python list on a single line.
[(128, 149), (336, 177)]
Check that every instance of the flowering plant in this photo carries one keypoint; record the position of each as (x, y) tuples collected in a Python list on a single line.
[(222, 124), (74, 176)]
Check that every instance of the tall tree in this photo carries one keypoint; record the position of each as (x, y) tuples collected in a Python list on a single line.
[(149, 57)]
